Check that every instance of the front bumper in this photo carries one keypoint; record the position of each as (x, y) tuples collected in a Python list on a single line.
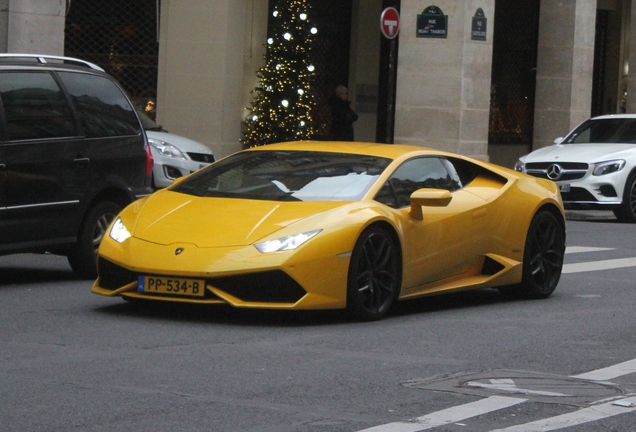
[(593, 192), (239, 276)]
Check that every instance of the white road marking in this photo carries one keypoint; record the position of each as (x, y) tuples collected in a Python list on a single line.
[(599, 265), (509, 385), (575, 418), (450, 415), (581, 249), (598, 412), (610, 372)]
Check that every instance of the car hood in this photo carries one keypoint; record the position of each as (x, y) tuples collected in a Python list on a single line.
[(588, 153), (168, 217), (182, 143)]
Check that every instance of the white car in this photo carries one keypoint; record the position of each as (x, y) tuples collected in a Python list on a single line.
[(594, 165), (174, 155)]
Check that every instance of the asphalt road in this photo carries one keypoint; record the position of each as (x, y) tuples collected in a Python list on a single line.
[(74, 361)]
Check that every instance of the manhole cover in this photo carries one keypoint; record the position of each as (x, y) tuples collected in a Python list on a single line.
[(535, 386)]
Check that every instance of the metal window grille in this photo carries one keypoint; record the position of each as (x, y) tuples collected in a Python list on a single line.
[(513, 72), (121, 37)]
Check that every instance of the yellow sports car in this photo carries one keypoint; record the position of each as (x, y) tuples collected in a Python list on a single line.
[(326, 225)]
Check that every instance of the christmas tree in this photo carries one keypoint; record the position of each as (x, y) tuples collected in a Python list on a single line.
[(284, 101)]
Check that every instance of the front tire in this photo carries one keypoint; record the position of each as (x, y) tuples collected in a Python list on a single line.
[(83, 257), (374, 275), (542, 258), (627, 211)]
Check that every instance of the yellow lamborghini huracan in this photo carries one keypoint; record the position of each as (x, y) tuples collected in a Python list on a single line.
[(325, 225)]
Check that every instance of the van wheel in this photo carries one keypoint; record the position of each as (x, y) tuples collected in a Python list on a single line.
[(83, 257)]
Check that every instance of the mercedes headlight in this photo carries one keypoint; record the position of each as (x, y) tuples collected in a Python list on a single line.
[(520, 166), (608, 167), (119, 232), (165, 149), (285, 243)]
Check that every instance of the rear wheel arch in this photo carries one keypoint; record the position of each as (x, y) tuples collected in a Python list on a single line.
[(544, 248)]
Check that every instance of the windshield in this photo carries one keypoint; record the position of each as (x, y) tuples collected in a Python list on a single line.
[(287, 176), (610, 130)]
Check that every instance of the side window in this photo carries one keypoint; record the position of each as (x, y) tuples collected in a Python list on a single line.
[(419, 173), (34, 106), (462, 171), (102, 107)]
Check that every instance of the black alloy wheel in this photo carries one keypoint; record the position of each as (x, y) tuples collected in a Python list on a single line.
[(627, 211), (543, 256), (374, 275), (83, 257)]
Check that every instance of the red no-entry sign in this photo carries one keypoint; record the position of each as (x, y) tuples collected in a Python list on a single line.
[(390, 22)]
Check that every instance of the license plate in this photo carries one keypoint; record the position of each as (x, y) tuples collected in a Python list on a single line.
[(564, 187), (171, 285)]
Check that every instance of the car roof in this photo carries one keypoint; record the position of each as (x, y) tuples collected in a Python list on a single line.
[(610, 116), (392, 151), (45, 61)]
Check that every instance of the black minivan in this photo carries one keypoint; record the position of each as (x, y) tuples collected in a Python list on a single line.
[(72, 155)]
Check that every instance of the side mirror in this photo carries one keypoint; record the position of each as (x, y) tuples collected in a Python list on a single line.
[(558, 140), (429, 198)]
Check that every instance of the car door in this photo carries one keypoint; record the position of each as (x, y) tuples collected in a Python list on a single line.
[(42, 156), (114, 136), (3, 181), (448, 241)]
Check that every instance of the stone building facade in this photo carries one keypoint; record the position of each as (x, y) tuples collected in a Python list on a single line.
[(209, 51)]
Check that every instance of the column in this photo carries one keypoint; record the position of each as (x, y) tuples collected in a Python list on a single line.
[(32, 26), (565, 66), (443, 84), (201, 49)]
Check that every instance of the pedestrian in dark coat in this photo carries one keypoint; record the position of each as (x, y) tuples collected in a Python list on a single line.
[(342, 116)]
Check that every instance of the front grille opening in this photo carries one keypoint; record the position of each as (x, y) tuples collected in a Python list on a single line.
[(577, 194), (172, 172), (112, 276), (265, 287), (608, 191), (201, 157)]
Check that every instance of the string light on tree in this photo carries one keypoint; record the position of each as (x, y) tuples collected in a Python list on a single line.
[(284, 102)]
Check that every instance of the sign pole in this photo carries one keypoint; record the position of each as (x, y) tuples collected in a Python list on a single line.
[(391, 95), (390, 27)]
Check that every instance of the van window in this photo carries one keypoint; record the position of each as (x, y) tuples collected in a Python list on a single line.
[(34, 106), (102, 107)]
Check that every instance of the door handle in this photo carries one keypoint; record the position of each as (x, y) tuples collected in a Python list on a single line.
[(479, 213), (81, 161)]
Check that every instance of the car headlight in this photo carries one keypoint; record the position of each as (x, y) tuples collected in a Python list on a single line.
[(285, 243), (608, 167), (166, 149), (119, 232), (520, 166)]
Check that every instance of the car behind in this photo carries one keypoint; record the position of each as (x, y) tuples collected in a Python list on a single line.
[(174, 155), (594, 165)]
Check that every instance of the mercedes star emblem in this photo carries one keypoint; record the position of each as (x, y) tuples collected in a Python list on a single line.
[(554, 172)]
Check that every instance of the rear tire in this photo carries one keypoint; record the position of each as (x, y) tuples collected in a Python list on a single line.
[(83, 257), (374, 275), (542, 258), (627, 211)]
